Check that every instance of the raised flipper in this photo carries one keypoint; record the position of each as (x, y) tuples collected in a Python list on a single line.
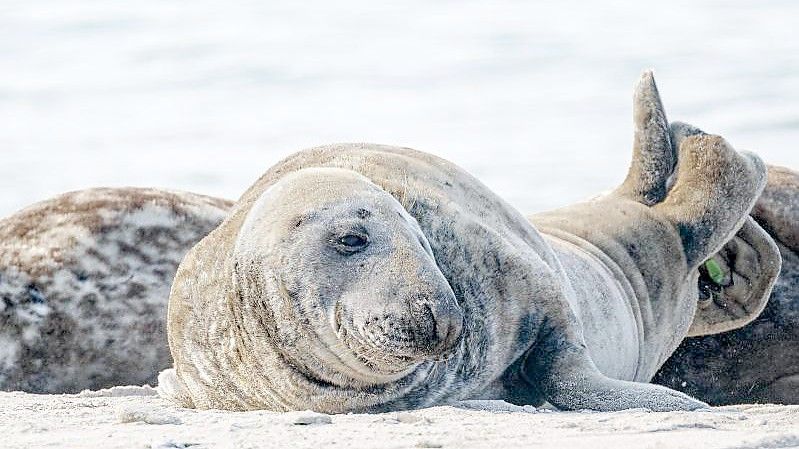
[(751, 260), (707, 197), (714, 186), (714, 191), (654, 157)]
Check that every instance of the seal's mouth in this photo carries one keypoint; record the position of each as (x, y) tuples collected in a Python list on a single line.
[(388, 349)]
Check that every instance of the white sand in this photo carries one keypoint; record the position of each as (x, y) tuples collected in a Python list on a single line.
[(134, 417)]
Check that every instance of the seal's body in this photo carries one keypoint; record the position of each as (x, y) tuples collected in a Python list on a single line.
[(760, 361), (84, 282), (361, 277)]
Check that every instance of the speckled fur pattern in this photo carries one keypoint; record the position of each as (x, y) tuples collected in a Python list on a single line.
[(580, 313), (758, 362), (84, 283)]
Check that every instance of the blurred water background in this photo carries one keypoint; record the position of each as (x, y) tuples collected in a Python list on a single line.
[(531, 97)]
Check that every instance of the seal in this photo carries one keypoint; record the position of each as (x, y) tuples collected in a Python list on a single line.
[(760, 361), (84, 283), (364, 277)]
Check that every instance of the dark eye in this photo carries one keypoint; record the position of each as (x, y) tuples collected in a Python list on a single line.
[(352, 240), (351, 243)]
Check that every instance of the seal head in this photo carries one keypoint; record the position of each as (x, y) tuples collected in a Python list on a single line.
[(353, 279)]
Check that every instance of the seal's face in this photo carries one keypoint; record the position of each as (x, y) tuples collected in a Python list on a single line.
[(355, 268)]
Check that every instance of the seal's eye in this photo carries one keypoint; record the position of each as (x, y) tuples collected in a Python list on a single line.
[(351, 243), (352, 240)]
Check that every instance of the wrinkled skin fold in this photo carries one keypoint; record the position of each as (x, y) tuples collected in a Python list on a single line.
[(362, 277)]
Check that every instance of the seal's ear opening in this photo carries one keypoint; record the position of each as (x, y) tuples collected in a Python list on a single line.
[(735, 283)]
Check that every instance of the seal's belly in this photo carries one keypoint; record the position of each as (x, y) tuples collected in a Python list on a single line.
[(604, 310)]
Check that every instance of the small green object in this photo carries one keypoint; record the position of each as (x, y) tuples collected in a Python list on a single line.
[(714, 271)]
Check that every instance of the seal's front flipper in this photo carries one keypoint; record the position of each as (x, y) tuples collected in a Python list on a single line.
[(170, 387), (748, 267), (715, 189), (604, 394), (571, 381)]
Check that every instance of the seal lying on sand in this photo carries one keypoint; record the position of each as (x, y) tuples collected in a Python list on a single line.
[(361, 277), (758, 362), (84, 282)]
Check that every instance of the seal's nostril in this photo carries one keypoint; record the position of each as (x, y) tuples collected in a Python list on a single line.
[(455, 333), (337, 316), (431, 318), (450, 330)]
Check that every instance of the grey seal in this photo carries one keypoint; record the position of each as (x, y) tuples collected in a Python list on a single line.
[(84, 284), (364, 277), (760, 361)]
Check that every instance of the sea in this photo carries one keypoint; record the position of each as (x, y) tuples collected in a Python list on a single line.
[(531, 97)]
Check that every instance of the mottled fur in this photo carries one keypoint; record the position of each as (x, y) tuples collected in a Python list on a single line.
[(758, 362), (84, 282), (574, 314)]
